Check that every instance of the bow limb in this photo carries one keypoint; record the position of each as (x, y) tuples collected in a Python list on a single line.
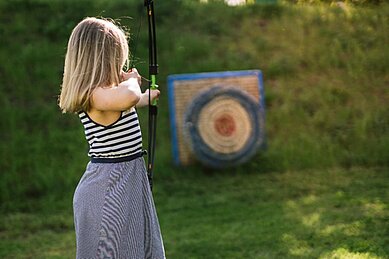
[(153, 71)]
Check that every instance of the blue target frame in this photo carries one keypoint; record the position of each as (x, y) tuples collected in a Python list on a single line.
[(177, 78)]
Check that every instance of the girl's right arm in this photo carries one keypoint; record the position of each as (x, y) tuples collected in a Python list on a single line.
[(118, 98)]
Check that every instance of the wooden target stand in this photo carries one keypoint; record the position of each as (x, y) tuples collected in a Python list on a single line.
[(216, 118)]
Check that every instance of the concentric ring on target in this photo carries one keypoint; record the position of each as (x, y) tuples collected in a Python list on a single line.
[(223, 126)]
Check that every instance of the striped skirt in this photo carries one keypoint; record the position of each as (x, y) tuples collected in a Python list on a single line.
[(114, 213)]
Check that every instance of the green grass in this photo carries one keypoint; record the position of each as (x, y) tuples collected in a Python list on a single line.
[(334, 213), (325, 74), (315, 192)]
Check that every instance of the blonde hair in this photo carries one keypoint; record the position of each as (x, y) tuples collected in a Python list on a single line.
[(96, 53)]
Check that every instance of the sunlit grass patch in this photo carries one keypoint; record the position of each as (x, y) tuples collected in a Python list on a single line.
[(345, 253)]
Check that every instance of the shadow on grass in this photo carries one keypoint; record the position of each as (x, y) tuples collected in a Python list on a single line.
[(309, 214), (338, 214), (333, 213)]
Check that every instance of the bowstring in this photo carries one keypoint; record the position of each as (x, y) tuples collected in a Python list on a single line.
[(133, 53)]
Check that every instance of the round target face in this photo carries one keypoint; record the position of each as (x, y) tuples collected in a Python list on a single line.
[(223, 126)]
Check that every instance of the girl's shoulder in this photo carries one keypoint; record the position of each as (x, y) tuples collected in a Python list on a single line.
[(130, 111)]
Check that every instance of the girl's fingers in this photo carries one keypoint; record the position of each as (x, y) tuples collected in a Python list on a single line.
[(155, 94), (133, 73)]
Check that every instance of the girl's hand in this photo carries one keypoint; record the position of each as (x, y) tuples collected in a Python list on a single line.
[(154, 94), (144, 99), (133, 73)]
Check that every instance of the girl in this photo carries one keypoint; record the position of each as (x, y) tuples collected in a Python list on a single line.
[(114, 212)]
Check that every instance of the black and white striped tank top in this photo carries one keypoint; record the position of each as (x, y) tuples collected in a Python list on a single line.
[(119, 139)]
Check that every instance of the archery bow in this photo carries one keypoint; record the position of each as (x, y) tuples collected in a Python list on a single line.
[(153, 71)]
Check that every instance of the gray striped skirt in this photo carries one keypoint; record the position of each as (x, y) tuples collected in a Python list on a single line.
[(114, 213)]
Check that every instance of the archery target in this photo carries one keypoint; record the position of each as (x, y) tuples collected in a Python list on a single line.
[(222, 127), (223, 124), (216, 118)]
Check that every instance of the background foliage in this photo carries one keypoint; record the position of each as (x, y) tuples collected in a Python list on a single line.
[(326, 83), (325, 69)]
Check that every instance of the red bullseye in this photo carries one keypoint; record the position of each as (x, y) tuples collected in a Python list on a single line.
[(225, 125)]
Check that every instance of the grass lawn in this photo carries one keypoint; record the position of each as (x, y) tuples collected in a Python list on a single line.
[(335, 213), (326, 88)]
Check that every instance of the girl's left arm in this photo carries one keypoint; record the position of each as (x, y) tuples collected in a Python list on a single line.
[(144, 98)]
